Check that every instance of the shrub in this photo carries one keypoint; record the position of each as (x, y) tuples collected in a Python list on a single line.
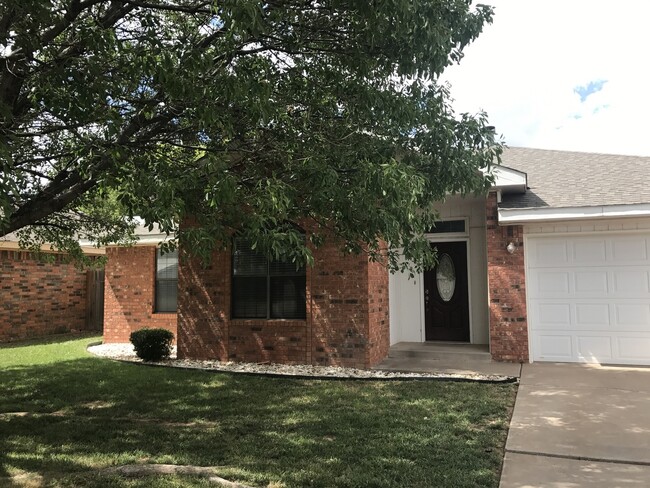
[(152, 344)]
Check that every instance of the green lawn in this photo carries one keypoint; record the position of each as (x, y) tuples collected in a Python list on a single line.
[(65, 414)]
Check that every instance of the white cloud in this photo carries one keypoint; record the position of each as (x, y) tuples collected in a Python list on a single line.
[(524, 68)]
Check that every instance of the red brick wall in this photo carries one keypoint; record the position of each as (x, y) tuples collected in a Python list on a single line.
[(129, 293), (339, 322), (203, 307), (39, 298), (207, 332), (379, 332), (506, 289), (339, 328)]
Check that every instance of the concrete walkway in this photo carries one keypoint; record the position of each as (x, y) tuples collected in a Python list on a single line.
[(579, 426)]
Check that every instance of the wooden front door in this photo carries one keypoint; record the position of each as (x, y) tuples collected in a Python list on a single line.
[(446, 299)]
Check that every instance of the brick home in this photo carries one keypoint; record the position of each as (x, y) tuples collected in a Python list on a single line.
[(40, 298), (553, 264)]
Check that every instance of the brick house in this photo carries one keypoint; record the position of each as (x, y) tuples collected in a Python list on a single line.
[(553, 264), (40, 298)]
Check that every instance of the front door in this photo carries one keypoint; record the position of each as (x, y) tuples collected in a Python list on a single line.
[(446, 299)]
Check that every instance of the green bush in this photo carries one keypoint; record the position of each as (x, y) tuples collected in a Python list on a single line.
[(152, 344)]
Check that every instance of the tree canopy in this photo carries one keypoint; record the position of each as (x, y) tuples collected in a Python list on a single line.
[(249, 116)]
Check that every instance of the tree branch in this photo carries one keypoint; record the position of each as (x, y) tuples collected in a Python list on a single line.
[(197, 9)]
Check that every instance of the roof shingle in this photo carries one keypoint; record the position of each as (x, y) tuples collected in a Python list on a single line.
[(574, 179)]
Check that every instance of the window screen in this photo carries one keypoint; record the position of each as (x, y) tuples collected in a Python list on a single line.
[(166, 281), (448, 226), (265, 289)]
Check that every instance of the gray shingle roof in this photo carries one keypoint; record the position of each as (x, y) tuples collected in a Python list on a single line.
[(574, 179)]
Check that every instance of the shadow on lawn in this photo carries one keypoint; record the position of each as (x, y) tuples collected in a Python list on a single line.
[(51, 339), (89, 413)]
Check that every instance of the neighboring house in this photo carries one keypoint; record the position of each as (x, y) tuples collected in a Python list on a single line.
[(39, 298), (552, 265)]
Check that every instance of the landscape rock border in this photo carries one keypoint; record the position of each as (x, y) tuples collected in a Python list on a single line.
[(125, 353)]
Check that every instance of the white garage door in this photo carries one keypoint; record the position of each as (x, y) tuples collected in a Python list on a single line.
[(589, 298)]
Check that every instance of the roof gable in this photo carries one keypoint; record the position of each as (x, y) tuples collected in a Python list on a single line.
[(508, 180)]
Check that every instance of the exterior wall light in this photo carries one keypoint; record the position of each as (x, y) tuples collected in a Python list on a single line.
[(511, 247)]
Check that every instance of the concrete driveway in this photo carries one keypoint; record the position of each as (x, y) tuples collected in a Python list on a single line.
[(579, 425)]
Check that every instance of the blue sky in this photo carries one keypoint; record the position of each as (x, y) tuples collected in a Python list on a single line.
[(589, 89), (569, 75)]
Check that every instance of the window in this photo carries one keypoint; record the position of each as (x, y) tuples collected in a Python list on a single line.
[(166, 281), (263, 289), (448, 226)]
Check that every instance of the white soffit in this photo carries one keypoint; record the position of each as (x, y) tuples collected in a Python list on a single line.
[(547, 214)]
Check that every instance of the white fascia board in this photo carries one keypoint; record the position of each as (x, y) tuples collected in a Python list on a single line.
[(152, 239), (546, 214), (141, 240), (87, 248), (147, 240)]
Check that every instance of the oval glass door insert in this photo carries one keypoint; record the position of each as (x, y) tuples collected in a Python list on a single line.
[(446, 277)]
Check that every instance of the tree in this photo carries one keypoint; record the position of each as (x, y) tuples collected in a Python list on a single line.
[(250, 116)]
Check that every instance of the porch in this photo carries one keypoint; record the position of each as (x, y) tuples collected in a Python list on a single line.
[(445, 357)]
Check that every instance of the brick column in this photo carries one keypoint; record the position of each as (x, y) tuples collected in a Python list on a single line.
[(378, 314), (506, 288), (203, 307)]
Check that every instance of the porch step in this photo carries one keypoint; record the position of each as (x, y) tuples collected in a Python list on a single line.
[(436, 350), (445, 358), (450, 365)]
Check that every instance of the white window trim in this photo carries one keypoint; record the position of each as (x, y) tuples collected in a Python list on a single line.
[(449, 236)]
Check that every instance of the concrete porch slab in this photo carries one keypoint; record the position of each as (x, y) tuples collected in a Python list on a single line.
[(449, 358)]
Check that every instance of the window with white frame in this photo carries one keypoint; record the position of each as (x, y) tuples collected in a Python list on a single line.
[(449, 227)]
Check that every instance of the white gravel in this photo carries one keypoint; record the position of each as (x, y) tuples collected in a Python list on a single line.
[(125, 352)]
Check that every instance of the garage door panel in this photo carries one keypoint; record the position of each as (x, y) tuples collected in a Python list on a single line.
[(592, 315), (554, 347), (593, 348), (550, 283), (553, 315), (589, 251), (597, 284), (549, 253), (591, 302), (627, 249), (592, 283), (634, 281), (632, 316), (634, 349)]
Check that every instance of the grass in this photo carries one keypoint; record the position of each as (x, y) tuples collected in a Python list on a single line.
[(65, 414)]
